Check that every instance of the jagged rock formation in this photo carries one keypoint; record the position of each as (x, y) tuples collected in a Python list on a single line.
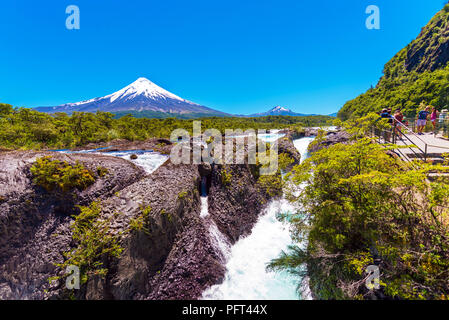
[(173, 257), (30, 217), (330, 139), (285, 146), (235, 206)]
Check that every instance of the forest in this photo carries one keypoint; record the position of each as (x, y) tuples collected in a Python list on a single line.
[(24, 128)]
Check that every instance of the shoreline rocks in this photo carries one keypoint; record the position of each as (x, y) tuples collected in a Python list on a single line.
[(331, 138), (174, 257), (31, 216)]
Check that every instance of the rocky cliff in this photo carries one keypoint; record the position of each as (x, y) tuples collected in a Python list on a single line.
[(416, 74), (30, 217), (167, 250)]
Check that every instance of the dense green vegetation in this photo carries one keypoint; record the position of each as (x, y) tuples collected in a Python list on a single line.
[(95, 244), (417, 74), (141, 222), (163, 115), (360, 204), (28, 129), (54, 174)]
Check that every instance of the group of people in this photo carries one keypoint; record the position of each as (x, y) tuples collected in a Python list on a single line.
[(421, 119)]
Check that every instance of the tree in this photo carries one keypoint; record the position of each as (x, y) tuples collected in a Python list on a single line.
[(359, 204)]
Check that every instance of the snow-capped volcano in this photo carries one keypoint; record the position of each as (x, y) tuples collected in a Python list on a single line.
[(144, 87), (278, 111), (141, 95)]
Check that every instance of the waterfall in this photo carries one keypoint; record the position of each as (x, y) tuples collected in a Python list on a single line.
[(218, 239), (246, 276)]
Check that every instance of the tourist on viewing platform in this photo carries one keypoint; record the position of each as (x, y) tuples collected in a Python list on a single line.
[(434, 117), (399, 121), (386, 114), (422, 119)]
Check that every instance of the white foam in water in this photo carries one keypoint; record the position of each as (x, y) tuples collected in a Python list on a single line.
[(270, 137), (267, 137), (148, 160), (246, 277), (301, 145), (219, 240), (204, 207)]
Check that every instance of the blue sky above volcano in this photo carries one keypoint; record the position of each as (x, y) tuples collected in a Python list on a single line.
[(239, 57)]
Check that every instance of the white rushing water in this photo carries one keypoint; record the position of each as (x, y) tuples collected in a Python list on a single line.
[(246, 277), (148, 160), (218, 239)]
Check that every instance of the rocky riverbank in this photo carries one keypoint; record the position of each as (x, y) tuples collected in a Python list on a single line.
[(171, 257)]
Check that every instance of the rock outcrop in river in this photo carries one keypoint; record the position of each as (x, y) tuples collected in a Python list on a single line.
[(171, 257)]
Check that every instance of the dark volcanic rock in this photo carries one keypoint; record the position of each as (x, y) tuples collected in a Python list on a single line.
[(173, 257), (30, 218), (193, 265), (172, 193), (235, 207), (158, 145), (330, 139), (286, 146)]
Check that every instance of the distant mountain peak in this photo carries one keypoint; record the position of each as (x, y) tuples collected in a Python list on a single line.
[(141, 95), (280, 109), (146, 88)]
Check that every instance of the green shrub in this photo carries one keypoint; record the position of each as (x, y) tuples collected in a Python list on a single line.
[(271, 184), (140, 223), (359, 202), (94, 242), (102, 171), (285, 161), (55, 174), (182, 195), (226, 177)]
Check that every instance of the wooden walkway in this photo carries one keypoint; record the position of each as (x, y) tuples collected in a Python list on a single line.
[(427, 145)]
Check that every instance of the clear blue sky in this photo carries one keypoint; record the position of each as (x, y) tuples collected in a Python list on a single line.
[(238, 56)]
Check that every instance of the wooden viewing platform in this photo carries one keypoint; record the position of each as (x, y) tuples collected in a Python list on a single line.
[(428, 147), (434, 146)]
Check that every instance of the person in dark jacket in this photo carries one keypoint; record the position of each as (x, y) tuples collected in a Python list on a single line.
[(422, 119)]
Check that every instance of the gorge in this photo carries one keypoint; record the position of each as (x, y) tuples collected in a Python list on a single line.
[(183, 231)]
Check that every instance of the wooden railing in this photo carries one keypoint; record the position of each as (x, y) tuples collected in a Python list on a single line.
[(396, 132)]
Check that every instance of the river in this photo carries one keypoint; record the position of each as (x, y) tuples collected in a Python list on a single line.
[(246, 276)]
